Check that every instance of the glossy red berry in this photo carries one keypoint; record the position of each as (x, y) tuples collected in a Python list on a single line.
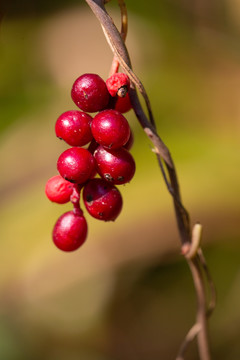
[(102, 200), (116, 166), (123, 104), (76, 165), (93, 146), (118, 84), (74, 127), (58, 189), (130, 142), (70, 231), (90, 93), (110, 129)]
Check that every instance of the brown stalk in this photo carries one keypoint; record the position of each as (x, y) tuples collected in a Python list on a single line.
[(124, 29), (189, 241)]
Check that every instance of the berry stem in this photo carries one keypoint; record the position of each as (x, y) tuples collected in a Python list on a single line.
[(124, 27), (75, 199)]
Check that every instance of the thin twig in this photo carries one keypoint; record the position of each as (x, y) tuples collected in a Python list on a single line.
[(197, 262), (124, 28), (192, 333), (201, 318), (213, 295), (169, 186)]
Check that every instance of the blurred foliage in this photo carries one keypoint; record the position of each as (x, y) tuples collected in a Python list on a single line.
[(126, 294)]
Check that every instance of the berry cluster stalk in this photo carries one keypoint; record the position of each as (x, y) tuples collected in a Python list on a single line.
[(190, 239)]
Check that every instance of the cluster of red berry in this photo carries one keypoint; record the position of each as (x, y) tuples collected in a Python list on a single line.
[(109, 139)]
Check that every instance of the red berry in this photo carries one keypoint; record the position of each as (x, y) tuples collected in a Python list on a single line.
[(110, 129), (74, 127), (70, 231), (76, 165), (123, 104), (130, 141), (116, 166), (118, 82), (102, 200), (89, 93), (92, 146), (58, 190)]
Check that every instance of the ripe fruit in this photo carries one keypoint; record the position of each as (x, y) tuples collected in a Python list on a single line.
[(102, 200), (76, 165), (74, 127), (118, 84), (109, 138), (93, 146), (89, 93), (116, 166), (130, 141), (123, 104), (58, 189), (110, 129), (70, 231)]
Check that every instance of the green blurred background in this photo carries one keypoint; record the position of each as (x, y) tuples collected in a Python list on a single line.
[(127, 293)]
